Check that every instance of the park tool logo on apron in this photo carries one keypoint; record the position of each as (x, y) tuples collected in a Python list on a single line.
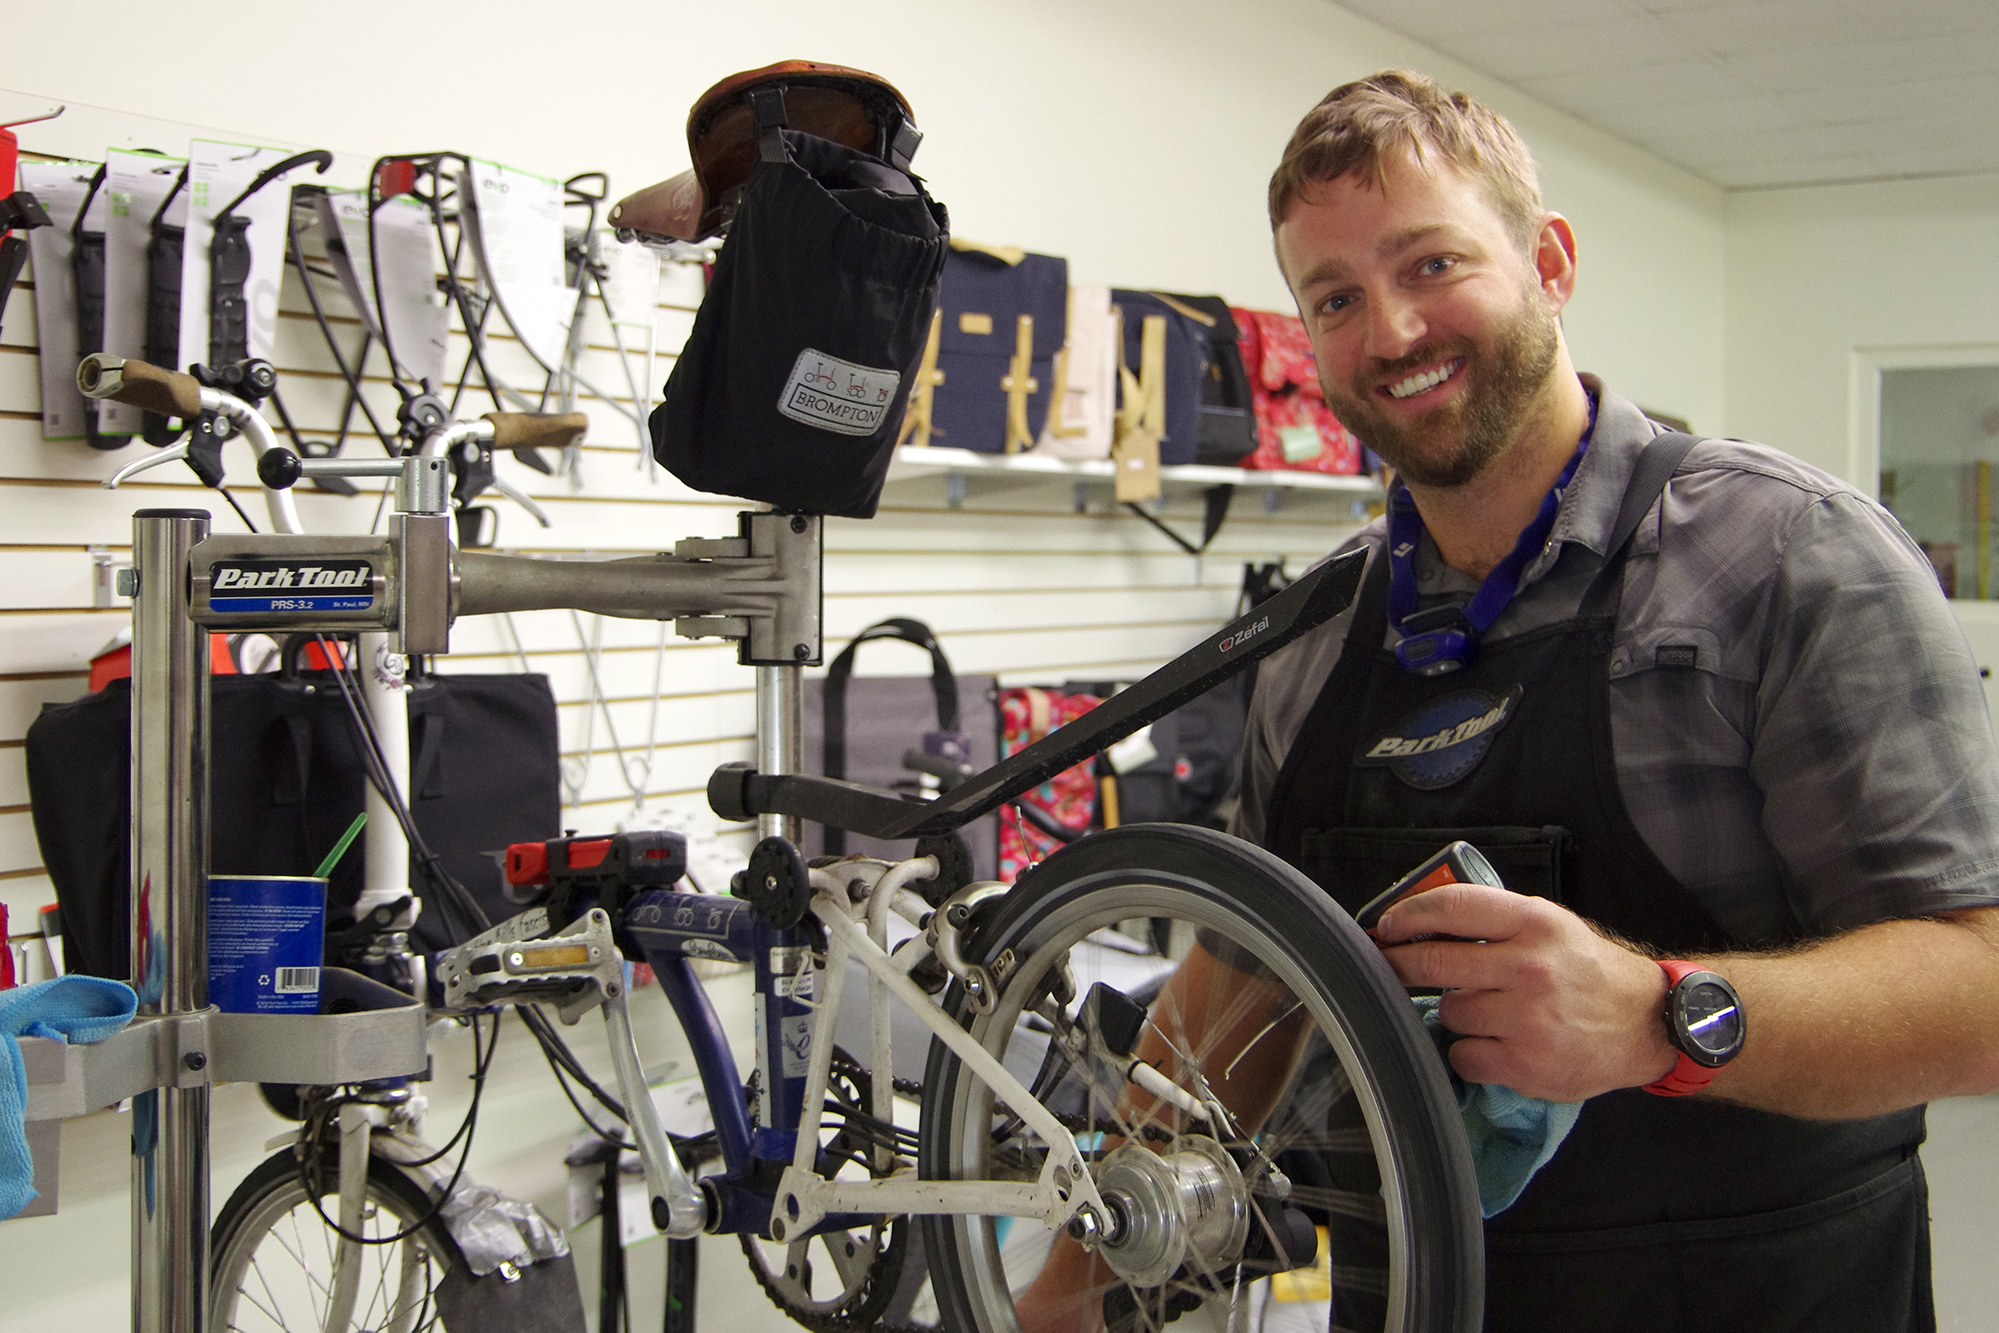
[(1444, 739)]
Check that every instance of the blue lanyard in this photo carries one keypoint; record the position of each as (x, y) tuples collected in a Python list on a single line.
[(1446, 638)]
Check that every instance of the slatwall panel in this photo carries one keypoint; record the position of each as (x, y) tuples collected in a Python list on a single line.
[(1017, 580)]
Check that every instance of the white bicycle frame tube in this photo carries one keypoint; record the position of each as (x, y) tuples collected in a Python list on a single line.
[(804, 1198), (386, 694)]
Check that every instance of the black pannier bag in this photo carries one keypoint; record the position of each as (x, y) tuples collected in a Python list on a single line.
[(791, 388), (1228, 416), (860, 727), (285, 781)]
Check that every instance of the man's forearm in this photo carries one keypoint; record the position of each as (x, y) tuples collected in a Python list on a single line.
[(1884, 1017)]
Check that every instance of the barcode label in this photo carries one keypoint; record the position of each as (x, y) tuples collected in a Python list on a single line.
[(297, 980)]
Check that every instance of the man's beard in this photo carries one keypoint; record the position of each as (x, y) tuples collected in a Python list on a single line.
[(1503, 383)]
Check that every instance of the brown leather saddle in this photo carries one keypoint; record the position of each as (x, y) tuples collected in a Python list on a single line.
[(851, 107)]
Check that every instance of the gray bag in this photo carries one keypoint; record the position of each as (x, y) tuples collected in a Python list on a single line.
[(860, 727)]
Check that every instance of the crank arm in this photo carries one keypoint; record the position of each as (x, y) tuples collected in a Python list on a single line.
[(676, 1203)]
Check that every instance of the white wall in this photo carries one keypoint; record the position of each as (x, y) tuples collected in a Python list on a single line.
[(1816, 276)]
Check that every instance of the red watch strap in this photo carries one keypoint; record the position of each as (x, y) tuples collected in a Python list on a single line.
[(1684, 1079), (1687, 1076)]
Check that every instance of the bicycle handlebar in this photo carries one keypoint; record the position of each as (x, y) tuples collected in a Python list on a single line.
[(527, 430), (139, 384)]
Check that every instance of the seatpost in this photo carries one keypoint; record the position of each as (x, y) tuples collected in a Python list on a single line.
[(169, 919), (780, 743)]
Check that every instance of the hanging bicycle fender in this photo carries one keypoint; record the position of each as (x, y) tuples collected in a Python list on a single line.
[(229, 265), (86, 267), (163, 267)]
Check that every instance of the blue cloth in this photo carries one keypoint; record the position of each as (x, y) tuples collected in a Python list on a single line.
[(1512, 1136), (74, 1008)]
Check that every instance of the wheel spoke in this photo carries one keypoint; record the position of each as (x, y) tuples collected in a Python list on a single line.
[(1307, 1048)]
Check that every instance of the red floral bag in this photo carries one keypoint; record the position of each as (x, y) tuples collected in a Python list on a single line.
[(1294, 427), (1070, 797)]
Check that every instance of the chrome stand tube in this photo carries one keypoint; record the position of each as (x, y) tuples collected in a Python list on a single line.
[(780, 740), (169, 917)]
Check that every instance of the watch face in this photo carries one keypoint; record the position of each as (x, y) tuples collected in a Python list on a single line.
[(1711, 1018)]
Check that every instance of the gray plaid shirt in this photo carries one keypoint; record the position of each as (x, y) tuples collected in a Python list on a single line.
[(1827, 763)]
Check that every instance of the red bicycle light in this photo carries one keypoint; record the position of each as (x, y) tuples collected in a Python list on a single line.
[(527, 863), (395, 176)]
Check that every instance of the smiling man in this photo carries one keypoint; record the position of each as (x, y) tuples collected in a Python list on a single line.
[(1729, 750)]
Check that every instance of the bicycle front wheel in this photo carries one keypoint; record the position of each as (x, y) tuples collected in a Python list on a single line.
[(1236, 981), (274, 1259)]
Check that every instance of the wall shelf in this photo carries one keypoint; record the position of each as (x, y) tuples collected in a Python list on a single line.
[(954, 465)]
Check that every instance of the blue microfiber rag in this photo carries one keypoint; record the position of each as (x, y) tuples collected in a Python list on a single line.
[(74, 1008), (1512, 1136)]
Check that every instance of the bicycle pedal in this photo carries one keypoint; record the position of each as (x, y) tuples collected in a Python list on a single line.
[(577, 967)]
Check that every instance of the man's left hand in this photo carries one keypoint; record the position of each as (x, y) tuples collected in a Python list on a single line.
[(1547, 1006)]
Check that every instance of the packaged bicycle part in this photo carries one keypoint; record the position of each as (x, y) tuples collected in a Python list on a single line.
[(61, 187), (225, 183), (392, 279), (792, 385), (166, 244), (515, 227), (86, 271), (137, 184), (230, 264)]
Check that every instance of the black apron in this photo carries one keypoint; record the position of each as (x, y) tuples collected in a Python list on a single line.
[(1667, 1213)]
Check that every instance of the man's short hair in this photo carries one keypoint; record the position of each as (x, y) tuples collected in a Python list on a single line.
[(1359, 125)]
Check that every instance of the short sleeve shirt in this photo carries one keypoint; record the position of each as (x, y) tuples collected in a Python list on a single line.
[(1799, 728)]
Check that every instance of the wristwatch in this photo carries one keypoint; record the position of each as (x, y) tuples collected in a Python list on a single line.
[(1704, 1023)]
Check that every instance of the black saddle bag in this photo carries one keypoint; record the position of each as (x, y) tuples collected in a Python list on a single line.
[(791, 387)]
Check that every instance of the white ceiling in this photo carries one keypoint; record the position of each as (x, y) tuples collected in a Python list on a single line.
[(1746, 93)]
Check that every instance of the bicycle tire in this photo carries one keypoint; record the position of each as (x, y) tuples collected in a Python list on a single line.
[(272, 1256), (1398, 1113)]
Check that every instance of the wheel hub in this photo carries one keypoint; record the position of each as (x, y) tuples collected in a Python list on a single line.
[(1187, 1207)]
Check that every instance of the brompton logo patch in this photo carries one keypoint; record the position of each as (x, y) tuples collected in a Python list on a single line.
[(836, 395), (1442, 741)]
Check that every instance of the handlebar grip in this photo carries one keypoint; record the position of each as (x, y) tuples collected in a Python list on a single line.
[(167, 392), (527, 430)]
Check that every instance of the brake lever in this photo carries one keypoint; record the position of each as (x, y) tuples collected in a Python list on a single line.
[(171, 454), (524, 500)]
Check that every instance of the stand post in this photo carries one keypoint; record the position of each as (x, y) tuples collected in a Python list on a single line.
[(169, 918), (780, 740)]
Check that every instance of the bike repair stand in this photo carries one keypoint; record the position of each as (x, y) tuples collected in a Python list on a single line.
[(761, 588)]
